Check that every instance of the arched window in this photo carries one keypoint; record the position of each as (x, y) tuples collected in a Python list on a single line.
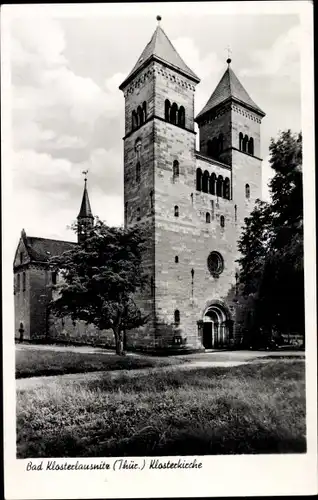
[(167, 110), (205, 182), (226, 188), (177, 317), (140, 116), (199, 179), (138, 148), (212, 183), (176, 211), (251, 146), (175, 169), (176, 259), (138, 172), (207, 218), (181, 117), (241, 141), (221, 140), (215, 148), (144, 111), (134, 120), (138, 213), (23, 281), (174, 113), (18, 283), (247, 191), (235, 213), (245, 142), (54, 277), (219, 186), (222, 221), (209, 148)]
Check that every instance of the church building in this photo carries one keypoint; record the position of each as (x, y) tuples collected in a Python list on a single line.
[(193, 201)]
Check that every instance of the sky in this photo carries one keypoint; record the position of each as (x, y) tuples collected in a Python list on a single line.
[(68, 113)]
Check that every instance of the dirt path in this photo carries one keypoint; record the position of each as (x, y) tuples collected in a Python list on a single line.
[(52, 380), (208, 359)]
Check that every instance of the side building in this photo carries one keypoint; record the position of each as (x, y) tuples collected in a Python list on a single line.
[(33, 289)]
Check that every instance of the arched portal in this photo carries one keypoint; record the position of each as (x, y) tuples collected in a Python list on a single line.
[(217, 327)]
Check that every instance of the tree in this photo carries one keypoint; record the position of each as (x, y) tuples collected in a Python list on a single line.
[(271, 244), (100, 278)]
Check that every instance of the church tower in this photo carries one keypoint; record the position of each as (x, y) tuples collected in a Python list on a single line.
[(159, 146), (193, 202), (85, 218), (229, 126)]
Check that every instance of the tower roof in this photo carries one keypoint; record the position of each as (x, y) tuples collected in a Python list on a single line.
[(161, 49), (229, 87), (85, 210)]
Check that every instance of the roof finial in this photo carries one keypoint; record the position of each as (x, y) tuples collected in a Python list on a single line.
[(229, 52), (85, 172), (158, 19)]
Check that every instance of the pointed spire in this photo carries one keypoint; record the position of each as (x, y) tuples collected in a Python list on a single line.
[(229, 60), (229, 87), (85, 210), (85, 217), (161, 49)]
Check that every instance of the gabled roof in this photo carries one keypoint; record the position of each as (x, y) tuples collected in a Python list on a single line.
[(42, 249), (85, 210), (229, 87), (161, 49)]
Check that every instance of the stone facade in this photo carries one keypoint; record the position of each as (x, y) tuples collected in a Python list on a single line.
[(182, 235)]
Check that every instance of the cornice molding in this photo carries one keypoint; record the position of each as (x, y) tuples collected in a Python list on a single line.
[(150, 62), (229, 104), (153, 117), (210, 160)]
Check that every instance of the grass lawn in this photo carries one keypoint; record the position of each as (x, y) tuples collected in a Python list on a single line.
[(253, 408), (36, 362)]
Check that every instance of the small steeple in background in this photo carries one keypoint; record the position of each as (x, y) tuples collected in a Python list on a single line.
[(85, 218)]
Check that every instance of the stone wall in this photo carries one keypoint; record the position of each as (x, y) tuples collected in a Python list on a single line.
[(78, 332), (139, 197), (192, 239), (218, 122)]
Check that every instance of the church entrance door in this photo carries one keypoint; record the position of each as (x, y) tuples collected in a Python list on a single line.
[(216, 331)]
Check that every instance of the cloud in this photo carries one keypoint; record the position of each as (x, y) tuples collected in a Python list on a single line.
[(53, 107), (60, 121), (281, 60), (208, 68), (203, 66), (48, 191)]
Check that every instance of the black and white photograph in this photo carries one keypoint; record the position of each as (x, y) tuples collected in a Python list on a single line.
[(158, 213)]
